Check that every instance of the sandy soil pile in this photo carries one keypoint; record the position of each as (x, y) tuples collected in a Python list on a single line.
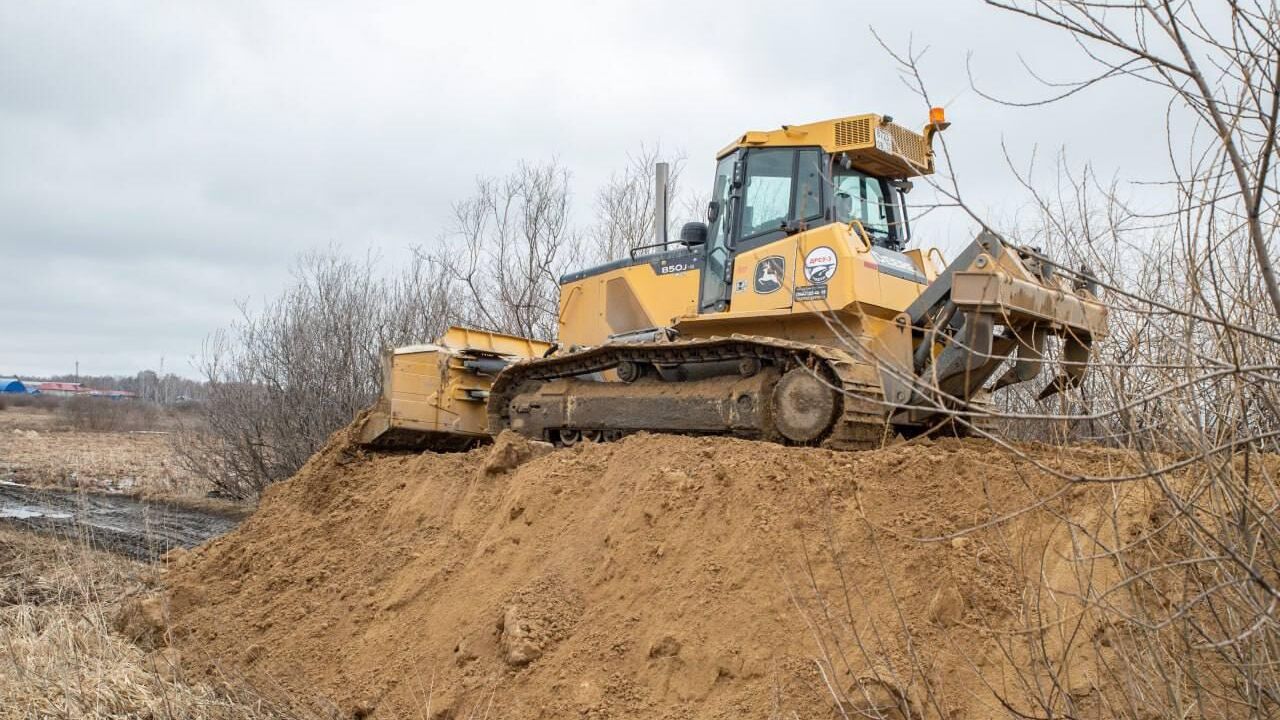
[(662, 577)]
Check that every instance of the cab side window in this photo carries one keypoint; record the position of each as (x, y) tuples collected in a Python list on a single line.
[(809, 188), (767, 196), (866, 199), (782, 186)]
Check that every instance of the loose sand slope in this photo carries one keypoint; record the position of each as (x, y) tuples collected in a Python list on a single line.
[(656, 576)]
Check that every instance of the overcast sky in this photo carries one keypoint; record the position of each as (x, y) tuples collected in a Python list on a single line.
[(160, 161)]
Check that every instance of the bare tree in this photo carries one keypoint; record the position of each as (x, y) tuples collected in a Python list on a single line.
[(625, 205), (290, 373), (1220, 61), (1177, 614), (509, 244)]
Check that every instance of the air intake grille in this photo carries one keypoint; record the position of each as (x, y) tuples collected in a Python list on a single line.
[(908, 144), (853, 132)]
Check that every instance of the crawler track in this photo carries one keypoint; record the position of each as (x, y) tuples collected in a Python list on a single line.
[(859, 423)]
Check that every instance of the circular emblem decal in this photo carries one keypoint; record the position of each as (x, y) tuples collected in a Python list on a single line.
[(819, 265), (769, 272)]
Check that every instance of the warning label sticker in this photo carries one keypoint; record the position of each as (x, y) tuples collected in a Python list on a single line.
[(811, 292)]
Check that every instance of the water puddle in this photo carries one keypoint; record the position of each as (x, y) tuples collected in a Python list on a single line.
[(114, 522), (26, 513)]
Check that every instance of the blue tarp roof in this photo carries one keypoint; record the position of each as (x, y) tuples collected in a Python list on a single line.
[(12, 385)]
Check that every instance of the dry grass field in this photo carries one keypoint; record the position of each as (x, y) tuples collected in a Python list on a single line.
[(64, 653), (67, 610), (43, 447)]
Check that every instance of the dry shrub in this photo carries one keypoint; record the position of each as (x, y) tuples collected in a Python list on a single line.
[(61, 657), (48, 403), (286, 376), (96, 414), (1177, 616), (184, 408)]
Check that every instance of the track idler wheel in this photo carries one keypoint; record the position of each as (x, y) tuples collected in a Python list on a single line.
[(803, 406), (629, 371)]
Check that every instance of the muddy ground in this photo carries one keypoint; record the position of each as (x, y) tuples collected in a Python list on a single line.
[(142, 529), (120, 491)]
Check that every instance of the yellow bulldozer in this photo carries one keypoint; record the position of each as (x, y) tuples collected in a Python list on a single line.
[(795, 314)]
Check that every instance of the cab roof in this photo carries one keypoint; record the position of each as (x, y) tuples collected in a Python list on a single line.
[(875, 144)]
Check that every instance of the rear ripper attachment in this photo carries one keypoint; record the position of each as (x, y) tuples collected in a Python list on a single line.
[(995, 303)]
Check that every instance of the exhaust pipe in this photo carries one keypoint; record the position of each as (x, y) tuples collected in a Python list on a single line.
[(660, 172)]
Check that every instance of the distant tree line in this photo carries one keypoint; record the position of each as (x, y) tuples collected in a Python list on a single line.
[(149, 385), (168, 388)]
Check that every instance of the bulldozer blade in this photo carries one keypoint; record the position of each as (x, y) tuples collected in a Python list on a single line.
[(434, 395)]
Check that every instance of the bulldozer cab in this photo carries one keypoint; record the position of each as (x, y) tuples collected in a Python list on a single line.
[(762, 195)]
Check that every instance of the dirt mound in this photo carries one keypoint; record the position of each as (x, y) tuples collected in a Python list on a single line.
[(660, 577)]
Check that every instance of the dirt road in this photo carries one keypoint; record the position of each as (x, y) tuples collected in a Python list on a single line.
[(138, 528)]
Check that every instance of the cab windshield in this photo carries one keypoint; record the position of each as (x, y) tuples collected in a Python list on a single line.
[(867, 199)]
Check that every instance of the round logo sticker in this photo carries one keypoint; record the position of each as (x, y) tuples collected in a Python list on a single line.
[(819, 265), (769, 274)]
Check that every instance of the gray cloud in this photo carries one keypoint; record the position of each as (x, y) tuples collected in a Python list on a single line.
[(159, 161)]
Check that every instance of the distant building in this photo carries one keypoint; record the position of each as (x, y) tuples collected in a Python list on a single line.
[(60, 389), (71, 389), (13, 385), (113, 394)]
